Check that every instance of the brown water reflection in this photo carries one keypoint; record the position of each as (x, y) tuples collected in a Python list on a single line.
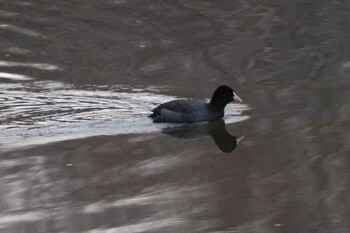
[(288, 60), (126, 183)]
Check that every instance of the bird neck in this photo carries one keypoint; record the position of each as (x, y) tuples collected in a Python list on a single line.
[(216, 104)]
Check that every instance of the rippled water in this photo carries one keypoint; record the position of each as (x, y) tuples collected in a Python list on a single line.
[(78, 153), (46, 111)]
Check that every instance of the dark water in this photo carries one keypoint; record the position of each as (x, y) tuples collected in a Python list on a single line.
[(78, 154)]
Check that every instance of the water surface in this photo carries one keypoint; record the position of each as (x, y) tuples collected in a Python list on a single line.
[(78, 153)]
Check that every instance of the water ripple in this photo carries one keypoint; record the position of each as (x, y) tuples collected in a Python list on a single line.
[(41, 66), (21, 30), (43, 111), (14, 76)]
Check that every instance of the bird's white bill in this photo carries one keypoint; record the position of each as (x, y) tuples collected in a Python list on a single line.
[(236, 98)]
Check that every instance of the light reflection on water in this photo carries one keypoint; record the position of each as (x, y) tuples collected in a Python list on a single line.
[(55, 183), (43, 111)]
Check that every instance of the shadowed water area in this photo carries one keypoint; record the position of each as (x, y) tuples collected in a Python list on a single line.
[(78, 153)]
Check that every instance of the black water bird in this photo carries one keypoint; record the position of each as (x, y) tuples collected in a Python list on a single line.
[(190, 111)]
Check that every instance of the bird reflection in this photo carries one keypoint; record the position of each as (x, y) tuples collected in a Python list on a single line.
[(216, 129)]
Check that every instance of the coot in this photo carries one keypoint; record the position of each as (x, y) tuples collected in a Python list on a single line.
[(190, 111)]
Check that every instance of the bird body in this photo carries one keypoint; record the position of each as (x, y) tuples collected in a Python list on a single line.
[(185, 111), (190, 111)]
